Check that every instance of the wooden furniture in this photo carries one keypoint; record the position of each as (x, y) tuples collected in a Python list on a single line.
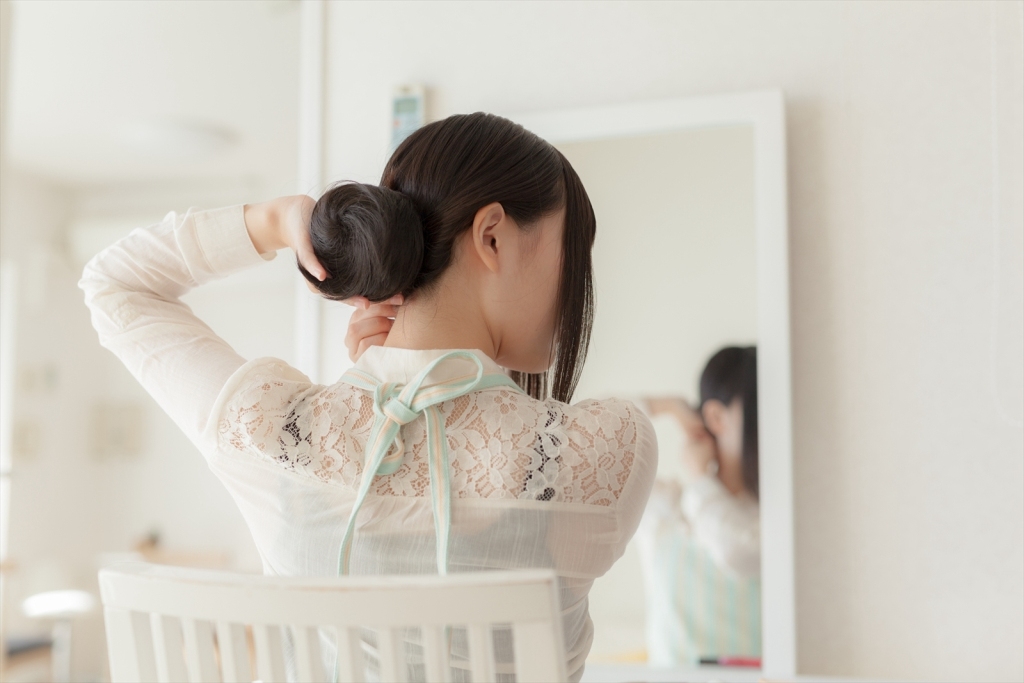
[(173, 624)]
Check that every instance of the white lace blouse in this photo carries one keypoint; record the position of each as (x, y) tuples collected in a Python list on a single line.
[(533, 483)]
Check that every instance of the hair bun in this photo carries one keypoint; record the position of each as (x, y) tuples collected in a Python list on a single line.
[(370, 240)]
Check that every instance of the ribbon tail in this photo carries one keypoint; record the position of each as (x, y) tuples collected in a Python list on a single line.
[(377, 446), (440, 484)]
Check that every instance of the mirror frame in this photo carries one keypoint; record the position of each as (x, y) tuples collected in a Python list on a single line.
[(765, 111)]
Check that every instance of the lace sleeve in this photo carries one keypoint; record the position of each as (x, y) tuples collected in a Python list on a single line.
[(608, 457), (273, 412), (604, 445), (612, 451), (638, 482)]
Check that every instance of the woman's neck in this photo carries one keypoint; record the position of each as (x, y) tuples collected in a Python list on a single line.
[(448, 317)]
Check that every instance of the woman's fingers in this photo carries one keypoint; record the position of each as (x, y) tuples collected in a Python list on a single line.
[(360, 329), (363, 302), (297, 236), (370, 323), (309, 261), (695, 431), (374, 311), (368, 327), (357, 302), (376, 340)]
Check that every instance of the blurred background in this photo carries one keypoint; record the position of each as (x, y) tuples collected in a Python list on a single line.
[(905, 144), (115, 113)]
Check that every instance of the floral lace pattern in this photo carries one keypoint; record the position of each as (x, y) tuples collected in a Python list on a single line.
[(502, 444)]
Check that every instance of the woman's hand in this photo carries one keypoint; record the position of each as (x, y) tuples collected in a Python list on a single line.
[(369, 324), (294, 227), (700, 452), (284, 222), (665, 405), (689, 419), (700, 456)]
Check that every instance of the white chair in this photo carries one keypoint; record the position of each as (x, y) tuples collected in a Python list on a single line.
[(173, 624), (62, 608)]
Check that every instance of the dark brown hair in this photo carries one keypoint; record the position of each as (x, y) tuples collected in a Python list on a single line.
[(399, 237), (732, 373)]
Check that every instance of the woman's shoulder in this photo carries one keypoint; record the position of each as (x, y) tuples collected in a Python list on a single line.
[(603, 450), (615, 420), (271, 409)]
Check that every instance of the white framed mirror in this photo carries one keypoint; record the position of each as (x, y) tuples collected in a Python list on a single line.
[(728, 201), (691, 255)]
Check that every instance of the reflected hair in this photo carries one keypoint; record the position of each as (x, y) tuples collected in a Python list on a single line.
[(399, 237), (732, 373)]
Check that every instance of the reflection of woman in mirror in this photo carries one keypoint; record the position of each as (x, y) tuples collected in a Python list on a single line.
[(700, 539), (446, 448)]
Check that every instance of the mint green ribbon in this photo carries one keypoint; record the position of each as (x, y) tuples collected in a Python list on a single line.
[(394, 405)]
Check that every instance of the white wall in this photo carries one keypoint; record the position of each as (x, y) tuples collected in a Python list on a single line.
[(906, 290)]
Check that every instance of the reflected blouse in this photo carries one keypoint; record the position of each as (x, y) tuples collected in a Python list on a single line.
[(533, 483), (701, 554)]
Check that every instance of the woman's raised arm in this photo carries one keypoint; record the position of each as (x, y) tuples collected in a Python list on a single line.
[(133, 289)]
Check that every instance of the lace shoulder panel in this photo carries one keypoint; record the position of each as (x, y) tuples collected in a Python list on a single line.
[(502, 444), (505, 444), (276, 413)]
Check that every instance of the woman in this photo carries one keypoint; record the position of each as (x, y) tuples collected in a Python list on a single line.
[(425, 457), (701, 543)]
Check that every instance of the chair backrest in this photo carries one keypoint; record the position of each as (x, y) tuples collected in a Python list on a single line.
[(174, 624)]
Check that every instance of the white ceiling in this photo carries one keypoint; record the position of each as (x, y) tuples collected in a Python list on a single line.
[(85, 75)]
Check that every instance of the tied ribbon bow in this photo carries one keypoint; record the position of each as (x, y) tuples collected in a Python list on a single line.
[(395, 405)]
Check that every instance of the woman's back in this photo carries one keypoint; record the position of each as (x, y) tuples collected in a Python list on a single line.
[(487, 232), (533, 483)]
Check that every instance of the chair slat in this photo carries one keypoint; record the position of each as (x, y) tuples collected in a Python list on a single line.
[(481, 653), (200, 656), (391, 654), (436, 656), (269, 655), (537, 652), (130, 646), (234, 652), (351, 664), (168, 649), (307, 654)]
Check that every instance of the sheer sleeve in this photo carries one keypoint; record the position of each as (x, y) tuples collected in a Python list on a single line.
[(133, 291), (637, 489)]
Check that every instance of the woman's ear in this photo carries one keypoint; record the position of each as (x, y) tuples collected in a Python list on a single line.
[(487, 234), (713, 412)]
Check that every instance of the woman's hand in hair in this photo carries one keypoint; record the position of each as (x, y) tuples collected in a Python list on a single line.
[(284, 222), (664, 405), (700, 452), (700, 455), (676, 407), (369, 324)]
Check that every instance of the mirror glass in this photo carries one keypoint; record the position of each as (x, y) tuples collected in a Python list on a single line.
[(675, 271)]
